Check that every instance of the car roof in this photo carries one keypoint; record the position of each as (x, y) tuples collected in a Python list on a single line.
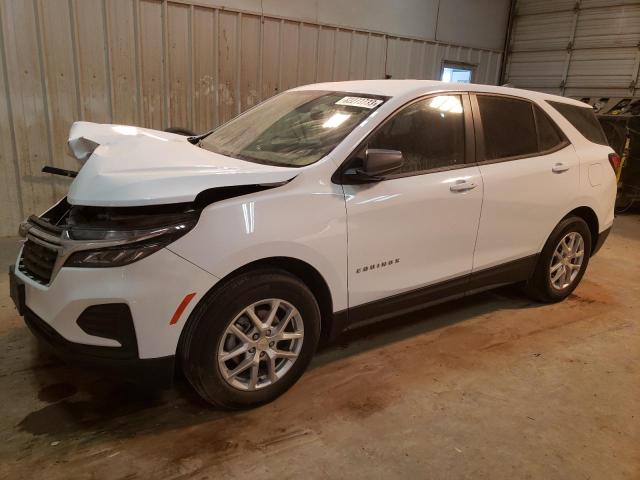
[(403, 88)]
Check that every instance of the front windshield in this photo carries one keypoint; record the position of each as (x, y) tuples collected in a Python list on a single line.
[(293, 129)]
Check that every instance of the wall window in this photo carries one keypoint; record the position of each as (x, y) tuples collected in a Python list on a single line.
[(456, 73), (509, 127), (429, 133)]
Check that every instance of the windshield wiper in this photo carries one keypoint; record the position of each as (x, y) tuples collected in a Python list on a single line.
[(196, 139), (59, 171)]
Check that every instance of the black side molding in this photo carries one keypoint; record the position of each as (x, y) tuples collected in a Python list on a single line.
[(504, 274)]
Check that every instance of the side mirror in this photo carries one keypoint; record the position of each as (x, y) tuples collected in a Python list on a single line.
[(378, 162), (375, 163)]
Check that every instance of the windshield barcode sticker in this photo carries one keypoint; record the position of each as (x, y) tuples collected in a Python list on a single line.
[(362, 102)]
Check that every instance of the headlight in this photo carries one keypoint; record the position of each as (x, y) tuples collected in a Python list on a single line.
[(112, 257), (114, 248)]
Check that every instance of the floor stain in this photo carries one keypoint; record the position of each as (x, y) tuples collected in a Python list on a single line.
[(402, 398), (67, 415), (56, 392)]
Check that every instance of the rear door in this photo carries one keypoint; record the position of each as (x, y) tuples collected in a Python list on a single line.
[(531, 178), (417, 227)]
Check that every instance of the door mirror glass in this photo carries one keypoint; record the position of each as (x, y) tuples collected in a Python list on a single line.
[(379, 162)]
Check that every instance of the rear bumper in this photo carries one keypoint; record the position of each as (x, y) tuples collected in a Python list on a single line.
[(602, 237), (124, 364)]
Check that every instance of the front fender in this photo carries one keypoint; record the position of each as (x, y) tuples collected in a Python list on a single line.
[(289, 221)]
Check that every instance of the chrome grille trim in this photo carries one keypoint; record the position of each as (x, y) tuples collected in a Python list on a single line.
[(65, 246)]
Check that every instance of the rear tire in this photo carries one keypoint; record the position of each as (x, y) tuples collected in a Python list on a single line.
[(235, 316), (562, 262)]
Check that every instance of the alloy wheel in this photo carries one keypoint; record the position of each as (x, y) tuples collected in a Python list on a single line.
[(260, 345), (566, 260)]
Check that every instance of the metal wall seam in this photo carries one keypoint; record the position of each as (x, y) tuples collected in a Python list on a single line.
[(107, 52), (166, 100), (636, 72), (261, 57), (45, 89), (216, 67), (574, 26), (192, 76), (238, 62), (137, 56), (76, 59), (280, 49), (12, 215)]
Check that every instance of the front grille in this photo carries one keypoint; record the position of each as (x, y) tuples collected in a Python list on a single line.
[(37, 261)]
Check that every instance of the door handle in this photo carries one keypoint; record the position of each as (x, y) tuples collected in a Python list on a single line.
[(462, 186), (560, 168)]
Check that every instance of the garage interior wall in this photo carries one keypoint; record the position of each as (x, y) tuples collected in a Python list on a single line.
[(196, 64), (576, 48)]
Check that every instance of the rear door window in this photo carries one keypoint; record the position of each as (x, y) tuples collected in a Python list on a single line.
[(508, 126), (583, 119)]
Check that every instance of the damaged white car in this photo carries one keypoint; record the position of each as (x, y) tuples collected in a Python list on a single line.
[(231, 254)]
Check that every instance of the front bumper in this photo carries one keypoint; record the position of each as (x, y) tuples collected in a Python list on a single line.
[(154, 372), (151, 290)]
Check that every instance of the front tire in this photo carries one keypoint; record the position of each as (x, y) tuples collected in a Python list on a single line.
[(562, 263), (251, 339)]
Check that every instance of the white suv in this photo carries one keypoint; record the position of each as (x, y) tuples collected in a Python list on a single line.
[(231, 254)]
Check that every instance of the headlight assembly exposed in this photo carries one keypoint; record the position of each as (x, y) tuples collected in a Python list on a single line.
[(99, 237), (114, 256), (115, 248)]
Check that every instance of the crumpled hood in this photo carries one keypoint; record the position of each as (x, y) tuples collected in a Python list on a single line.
[(134, 166)]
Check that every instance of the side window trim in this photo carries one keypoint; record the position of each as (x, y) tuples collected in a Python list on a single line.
[(565, 141), (469, 130), (479, 131), (469, 139)]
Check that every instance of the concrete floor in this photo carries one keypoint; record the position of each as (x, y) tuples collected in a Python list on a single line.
[(490, 387)]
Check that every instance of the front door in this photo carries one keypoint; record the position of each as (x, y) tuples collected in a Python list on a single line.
[(416, 228)]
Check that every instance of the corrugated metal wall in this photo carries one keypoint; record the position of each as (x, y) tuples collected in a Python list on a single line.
[(166, 63), (583, 48)]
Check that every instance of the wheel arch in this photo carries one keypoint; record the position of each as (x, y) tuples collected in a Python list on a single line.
[(591, 219), (309, 275)]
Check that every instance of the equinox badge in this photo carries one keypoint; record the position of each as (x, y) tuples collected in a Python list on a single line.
[(375, 266)]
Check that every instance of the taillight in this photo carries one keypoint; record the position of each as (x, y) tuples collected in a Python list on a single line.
[(615, 161)]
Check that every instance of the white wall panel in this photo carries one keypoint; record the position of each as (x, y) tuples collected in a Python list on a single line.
[(481, 23), (473, 23), (189, 63), (151, 65), (92, 59), (26, 97), (123, 61)]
